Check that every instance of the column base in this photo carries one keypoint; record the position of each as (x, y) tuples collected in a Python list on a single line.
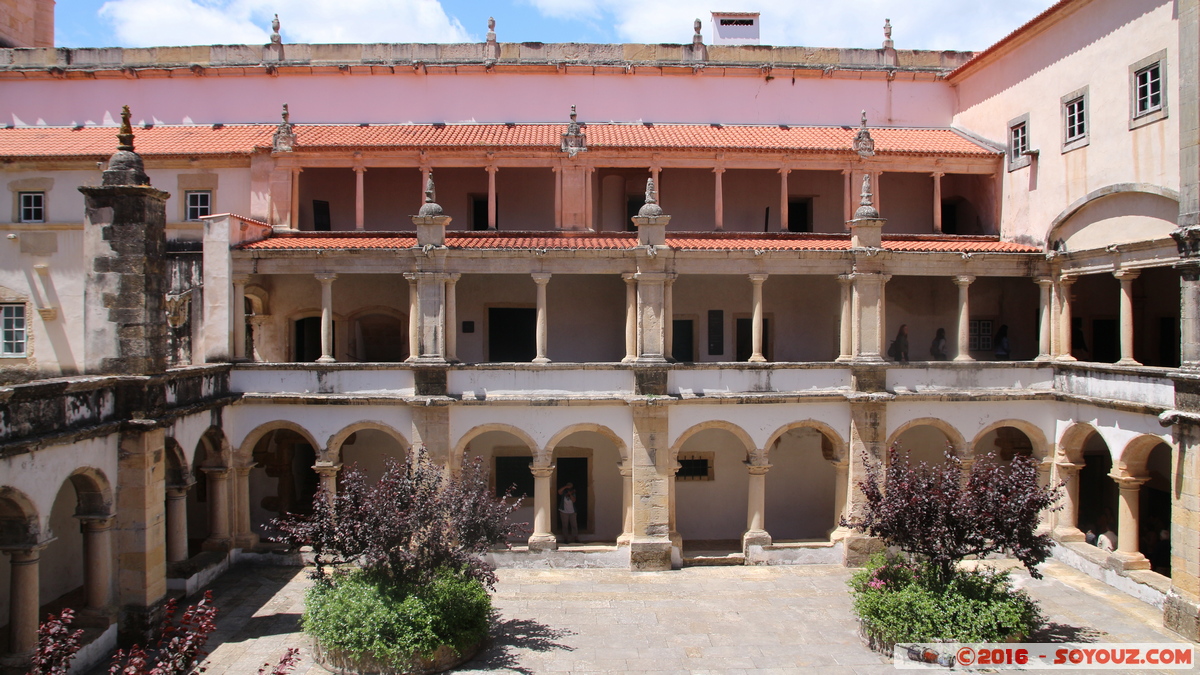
[(95, 617), (1182, 615), (326, 359), (755, 538), (1124, 561), (867, 358), (756, 359), (1067, 534), (1065, 357), (659, 359), (676, 540), (543, 542), (541, 359), (1043, 357), (624, 539), (962, 358), (246, 541), (1128, 362), (629, 359), (858, 548), (840, 533), (650, 554), (221, 545), (844, 358)]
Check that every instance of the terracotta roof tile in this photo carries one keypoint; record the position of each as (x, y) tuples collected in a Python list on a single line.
[(232, 139)]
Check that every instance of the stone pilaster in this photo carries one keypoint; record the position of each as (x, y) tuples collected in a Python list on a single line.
[(431, 432), (653, 473), (141, 534), (626, 536), (868, 436)]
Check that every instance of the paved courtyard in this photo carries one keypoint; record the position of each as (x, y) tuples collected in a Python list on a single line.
[(696, 620)]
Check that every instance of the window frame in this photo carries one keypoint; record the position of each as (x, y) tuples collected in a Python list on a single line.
[(1080, 97), (978, 339), (1022, 159), (24, 330), (21, 195), (1151, 115), (187, 205)]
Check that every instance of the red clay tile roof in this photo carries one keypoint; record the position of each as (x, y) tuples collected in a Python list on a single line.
[(683, 241), (240, 139)]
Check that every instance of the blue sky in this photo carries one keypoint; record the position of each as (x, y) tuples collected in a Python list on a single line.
[(918, 24)]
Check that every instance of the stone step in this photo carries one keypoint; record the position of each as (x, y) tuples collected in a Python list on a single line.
[(729, 560)]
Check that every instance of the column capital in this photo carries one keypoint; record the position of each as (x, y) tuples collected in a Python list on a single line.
[(758, 469), (626, 470), (94, 523), (1128, 482), (359, 169), (218, 472), (1126, 274), (327, 468), (1068, 467), (1067, 279), (25, 555), (1044, 282), (785, 170), (718, 170), (453, 278), (178, 491), (845, 279), (240, 279), (540, 277), (541, 471), (938, 174), (325, 277), (244, 470), (757, 278), (963, 279), (629, 277), (491, 168), (847, 172)]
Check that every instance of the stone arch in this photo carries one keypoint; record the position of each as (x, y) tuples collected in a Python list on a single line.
[(19, 522), (535, 450), (178, 471), (93, 491), (1105, 207), (839, 445), (1041, 449), (1132, 458), (1071, 442), (334, 445), (957, 442), (259, 299), (246, 450), (732, 428), (216, 449), (548, 450)]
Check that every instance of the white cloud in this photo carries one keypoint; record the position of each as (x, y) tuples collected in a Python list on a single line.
[(146, 23)]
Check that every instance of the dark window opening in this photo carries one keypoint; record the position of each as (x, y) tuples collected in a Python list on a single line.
[(745, 336), (737, 22), (695, 468), (1168, 342), (716, 332), (308, 339), (1106, 344), (321, 221), (479, 212), (949, 218), (682, 340), (512, 334), (800, 215), (632, 206), (514, 472)]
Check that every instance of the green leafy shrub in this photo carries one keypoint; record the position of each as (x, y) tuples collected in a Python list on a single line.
[(903, 601), (365, 615)]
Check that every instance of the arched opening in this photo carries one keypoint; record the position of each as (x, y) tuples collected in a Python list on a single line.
[(1004, 443), (509, 459), (179, 484), (1098, 493), (19, 532), (1154, 512), (209, 455), (76, 565), (712, 490), (590, 462), (282, 480), (61, 567), (369, 450), (927, 441), (801, 486), (378, 337)]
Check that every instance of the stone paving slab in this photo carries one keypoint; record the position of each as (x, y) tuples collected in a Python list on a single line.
[(728, 620)]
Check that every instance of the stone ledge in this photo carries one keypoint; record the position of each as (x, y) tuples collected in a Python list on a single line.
[(1149, 587)]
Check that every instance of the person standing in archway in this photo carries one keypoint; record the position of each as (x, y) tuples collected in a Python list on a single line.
[(567, 515)]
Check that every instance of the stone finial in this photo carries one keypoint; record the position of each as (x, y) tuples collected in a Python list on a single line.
[(491, 34), (887, 34), (430, 207), (866, 210), (574, 141), (650, 209), (864, 145), (276, 38), (284, 138), (125, 167), (697, 39)]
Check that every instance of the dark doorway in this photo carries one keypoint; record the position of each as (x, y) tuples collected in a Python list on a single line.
[(683, 339), (574, 470), (512, 334), (479, 212), (1168, 342), (799, 215), (1106, 345), (949, 218), (632, 206), (321, 221), (308, 339), (745, 338)]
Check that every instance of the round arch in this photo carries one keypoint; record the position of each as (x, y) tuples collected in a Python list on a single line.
[(259, 299), (247, 448), (334, 446), (178, 471), (1132, 458), (20, 525), (732, 428), (548, 450), (957, 442), (839, 445), (1071, 442), (93, 491), (217, 451), (1102, 193), (460, 448), (1031, 431)]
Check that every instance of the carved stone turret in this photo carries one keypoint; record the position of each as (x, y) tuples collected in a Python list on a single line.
[(276, 38), (864, 145), (431, 222), (284, 138), (650, 220), (574, 141), (866, 228), (125, 167)]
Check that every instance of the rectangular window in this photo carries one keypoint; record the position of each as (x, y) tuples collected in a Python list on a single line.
[(1018, 143), (12, 329), (1148, 90), (695, 466), (1075, 119), (32, 207), (199, 204), (513, 472), (980, 335)]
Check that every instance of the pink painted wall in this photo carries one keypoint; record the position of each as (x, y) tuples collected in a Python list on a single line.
[(478, 97)]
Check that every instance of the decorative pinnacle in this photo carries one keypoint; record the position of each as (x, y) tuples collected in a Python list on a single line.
[(863, 144), (275, 37), (650, 209), (430, 197), (865, 200), (696, 26), (430, 207), (866, 211), (286, 115), (491, 23), (864, 119), (887, 34), (125, 135), (573, 119)]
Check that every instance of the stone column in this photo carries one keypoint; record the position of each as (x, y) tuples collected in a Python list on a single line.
[(669, 318), (1189, 313), (97, 560), (24, 601), (243, 536), (1046, 517), (219, 536), (1127, 532), (719, 206), (239, 316), (541, 279), (140, 534), (359, 199), (1066, 527), (964, 317), (846, 322), (425, 171), (756, 508), (1126, 278), (177, 529), (326, 279), (868, 425), (327, 473), (651, 301), (452, 317), (414, 321), (783, 199), (847, 195), (756, 323), (673, 471), (869, 327), (491, 209), (1064, 320), (294, 215), (1044, 308), (655, 172), (630, 317), (558, 198), (841, 484), (626, 504), (937, 201), (542, 538)]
